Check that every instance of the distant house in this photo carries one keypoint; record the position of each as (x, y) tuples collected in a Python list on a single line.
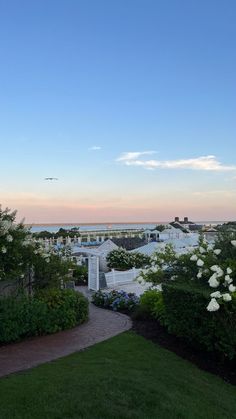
[(101, 252), (186, 225)]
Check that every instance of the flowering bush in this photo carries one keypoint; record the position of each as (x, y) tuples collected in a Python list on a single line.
[(208, 264), (27, 260), (194, 287), (15, 249), (162, 267), (186, 316), (115, 300), (122, 260)]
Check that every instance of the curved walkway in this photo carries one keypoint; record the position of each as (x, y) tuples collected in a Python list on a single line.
[(102, 325)]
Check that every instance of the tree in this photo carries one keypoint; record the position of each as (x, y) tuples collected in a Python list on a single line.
[(25, 260), (122, 260), (160, 227)]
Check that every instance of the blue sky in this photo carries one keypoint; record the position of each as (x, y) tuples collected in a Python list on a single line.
[(131, 76)]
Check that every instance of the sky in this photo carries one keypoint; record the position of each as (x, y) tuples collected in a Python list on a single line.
[(129, 103)]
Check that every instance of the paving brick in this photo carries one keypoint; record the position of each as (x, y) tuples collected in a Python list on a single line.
[(102, 325)]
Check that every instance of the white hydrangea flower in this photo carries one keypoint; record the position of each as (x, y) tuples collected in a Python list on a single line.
[(25, 243), (232, 288), (228, 279), (233, 242), (226, 297), (217, 251), (213, 282), (200, 262), (4, 249), (220, 272), (199, 275), (217, 269), (216, 294), (214, 268), (229, 271), (202, 250), (5, 226), (9, 238), (213, 305), (194, 258)]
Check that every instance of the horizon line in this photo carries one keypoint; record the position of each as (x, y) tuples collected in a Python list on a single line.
[(117, 222)]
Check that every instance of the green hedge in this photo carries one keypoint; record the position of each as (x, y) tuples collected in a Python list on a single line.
[(186, 316), (151, 305), (48, 312)]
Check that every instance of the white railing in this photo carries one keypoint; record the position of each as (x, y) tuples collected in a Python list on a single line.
[(121, 277)]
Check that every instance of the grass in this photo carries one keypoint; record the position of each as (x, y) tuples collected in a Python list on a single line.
[(124, 377)]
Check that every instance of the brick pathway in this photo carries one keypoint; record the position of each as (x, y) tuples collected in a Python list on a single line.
[(102, 325)]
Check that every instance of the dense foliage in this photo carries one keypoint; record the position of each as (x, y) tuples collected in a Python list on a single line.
[(213, 266), (151, 305), (122, 260), (160, 227), (47, 312), (229, 227), (115, 300), (198, 298), (16, 251), (62, 232), (186, 316), (80, 274), (28, 262)]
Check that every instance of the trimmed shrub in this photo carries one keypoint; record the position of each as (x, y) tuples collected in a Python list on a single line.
[(152, 305), (186, 316), (122, 260), (115, 300), (48, 312)]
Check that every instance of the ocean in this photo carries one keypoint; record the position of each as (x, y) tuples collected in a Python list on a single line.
[(53, 228), (95, 227)]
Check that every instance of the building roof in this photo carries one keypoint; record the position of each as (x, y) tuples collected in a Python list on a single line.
[(101, 250), (182, 245), (107, 247), (150, 248)]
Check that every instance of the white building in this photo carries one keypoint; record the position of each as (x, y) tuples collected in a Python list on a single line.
[(101, 252)]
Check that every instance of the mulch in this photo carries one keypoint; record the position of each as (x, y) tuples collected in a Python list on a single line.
[(207, 361)]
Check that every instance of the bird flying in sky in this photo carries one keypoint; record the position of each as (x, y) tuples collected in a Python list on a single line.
[(50, 178)]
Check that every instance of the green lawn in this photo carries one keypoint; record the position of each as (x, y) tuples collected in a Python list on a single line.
[(124, 377)]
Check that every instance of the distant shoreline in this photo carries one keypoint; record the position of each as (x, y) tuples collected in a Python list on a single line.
[(94, 224), (118, 223)]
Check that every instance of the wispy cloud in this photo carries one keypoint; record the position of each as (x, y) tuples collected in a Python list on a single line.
[(133, 155), (221, 193), (94, 148), (209, 163)]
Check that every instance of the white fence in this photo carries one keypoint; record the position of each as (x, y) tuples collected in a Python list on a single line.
[(121, 277)]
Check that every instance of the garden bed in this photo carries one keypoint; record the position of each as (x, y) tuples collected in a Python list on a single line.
[(48, 312), (211, 362)]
